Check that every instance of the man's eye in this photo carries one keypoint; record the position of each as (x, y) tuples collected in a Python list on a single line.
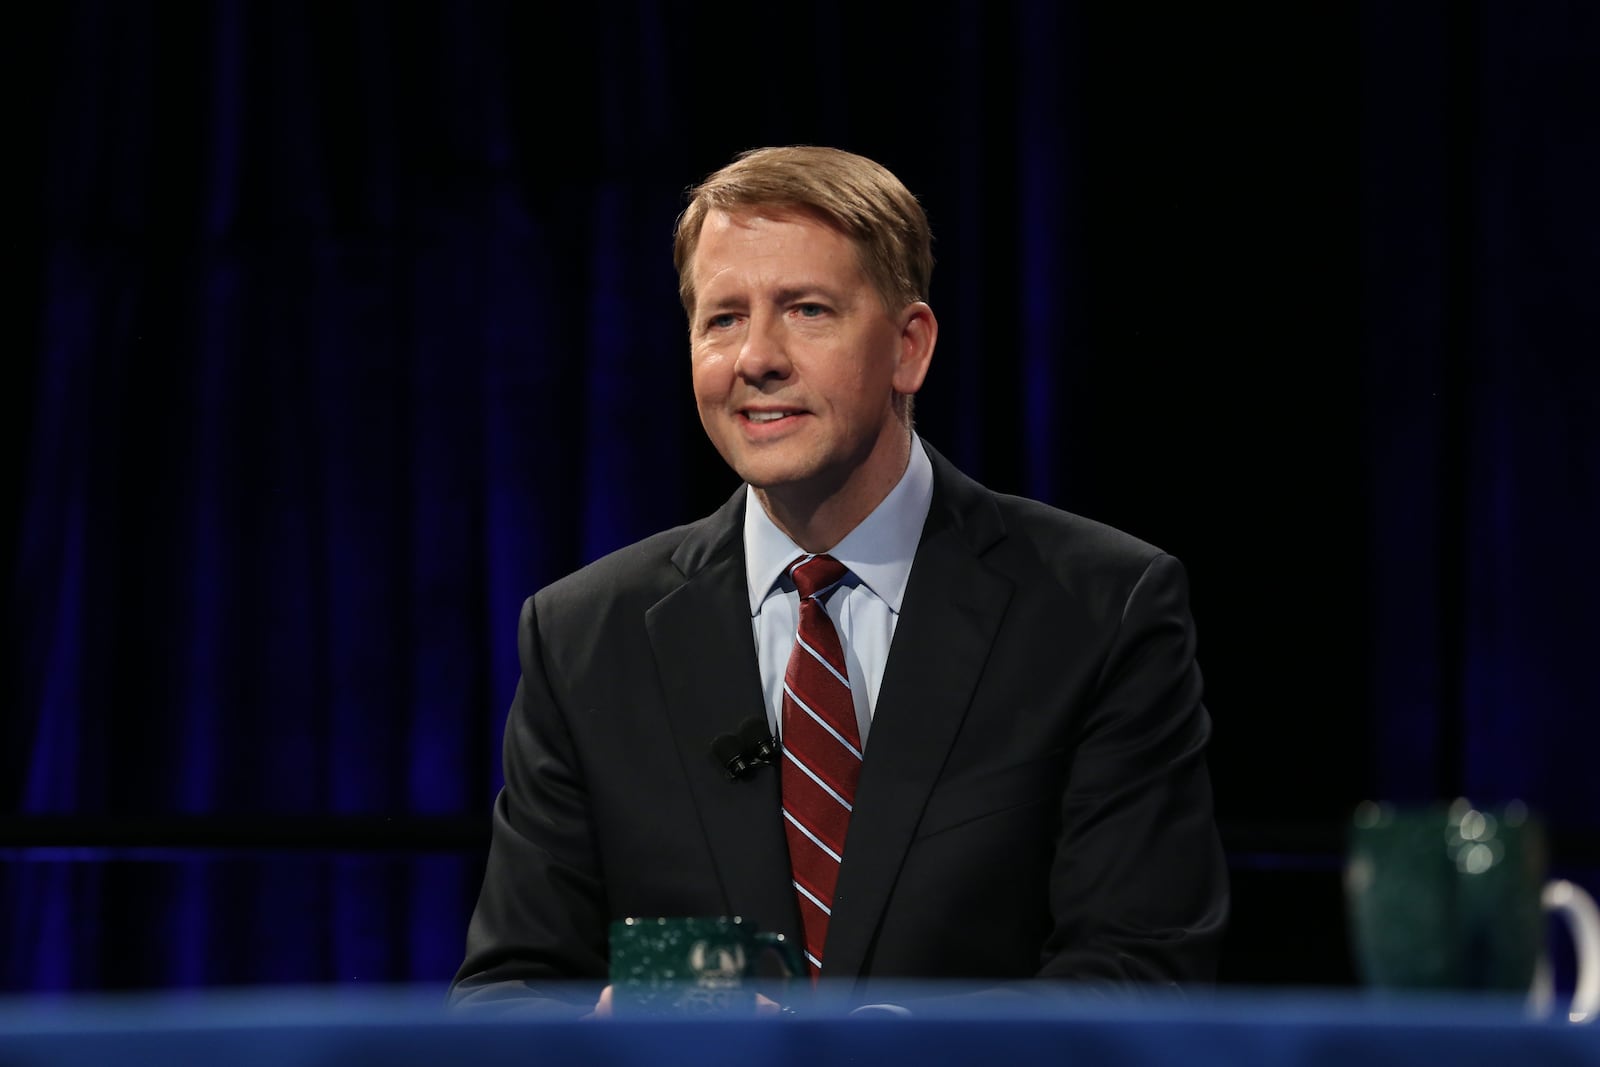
[(720, 322), (811, 311)]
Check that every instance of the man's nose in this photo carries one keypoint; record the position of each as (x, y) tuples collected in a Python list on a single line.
[(764, 353)]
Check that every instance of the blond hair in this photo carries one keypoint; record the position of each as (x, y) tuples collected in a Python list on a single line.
[(859, 198)]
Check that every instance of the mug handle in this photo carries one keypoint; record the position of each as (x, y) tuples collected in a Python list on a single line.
[(1583, 922), (786, 950)]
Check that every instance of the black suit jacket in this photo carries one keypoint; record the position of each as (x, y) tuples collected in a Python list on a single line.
[(1033, 800)]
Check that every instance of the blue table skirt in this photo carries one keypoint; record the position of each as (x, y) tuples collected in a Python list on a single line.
[(399, 1027)]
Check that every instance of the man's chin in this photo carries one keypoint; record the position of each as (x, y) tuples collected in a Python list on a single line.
[(796, 481), (769, 480), (772, 469)]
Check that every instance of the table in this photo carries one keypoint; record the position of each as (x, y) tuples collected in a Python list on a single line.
[(401, 1027)]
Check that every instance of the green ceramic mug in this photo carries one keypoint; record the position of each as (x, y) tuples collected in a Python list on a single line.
[(694, 965), (1455, 897)]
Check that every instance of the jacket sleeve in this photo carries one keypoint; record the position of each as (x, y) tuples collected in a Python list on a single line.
[(1138, 884), (537, 939)]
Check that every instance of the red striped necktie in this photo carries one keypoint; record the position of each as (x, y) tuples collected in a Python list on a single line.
[(821, 751)]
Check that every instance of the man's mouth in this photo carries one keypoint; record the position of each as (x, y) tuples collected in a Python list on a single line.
[(768, 416)]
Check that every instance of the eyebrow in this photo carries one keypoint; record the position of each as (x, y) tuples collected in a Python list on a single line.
[(787, 295), (797, 292), (720, 303)]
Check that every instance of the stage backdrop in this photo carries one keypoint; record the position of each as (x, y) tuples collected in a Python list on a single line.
[(334, 331)]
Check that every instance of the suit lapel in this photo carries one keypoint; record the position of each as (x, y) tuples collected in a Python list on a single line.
[(705, 656), (952, 609)]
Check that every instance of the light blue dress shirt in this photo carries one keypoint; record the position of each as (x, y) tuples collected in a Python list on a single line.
[(878, 553)]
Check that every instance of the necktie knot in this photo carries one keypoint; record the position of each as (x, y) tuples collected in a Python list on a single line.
[(816, 574)]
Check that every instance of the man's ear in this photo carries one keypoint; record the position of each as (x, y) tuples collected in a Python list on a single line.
[(919, 332)]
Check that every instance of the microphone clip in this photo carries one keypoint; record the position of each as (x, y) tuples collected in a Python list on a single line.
[(743, 753)]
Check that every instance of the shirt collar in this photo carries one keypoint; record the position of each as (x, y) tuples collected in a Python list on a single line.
[(878, 551)]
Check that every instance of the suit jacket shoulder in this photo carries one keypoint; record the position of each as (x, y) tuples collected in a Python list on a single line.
[(615, 592), (645, 570), (1050, 556)]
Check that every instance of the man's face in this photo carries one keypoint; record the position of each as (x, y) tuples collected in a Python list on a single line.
[(797, 361)]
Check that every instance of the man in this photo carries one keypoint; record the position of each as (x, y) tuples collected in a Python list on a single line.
[(991, 733)]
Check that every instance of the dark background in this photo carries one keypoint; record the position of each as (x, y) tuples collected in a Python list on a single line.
[(336, 330)]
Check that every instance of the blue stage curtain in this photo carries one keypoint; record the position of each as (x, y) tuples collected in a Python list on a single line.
[(343, 328), (1481, 332)]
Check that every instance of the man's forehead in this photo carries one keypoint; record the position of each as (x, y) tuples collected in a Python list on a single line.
[(742, 231)]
